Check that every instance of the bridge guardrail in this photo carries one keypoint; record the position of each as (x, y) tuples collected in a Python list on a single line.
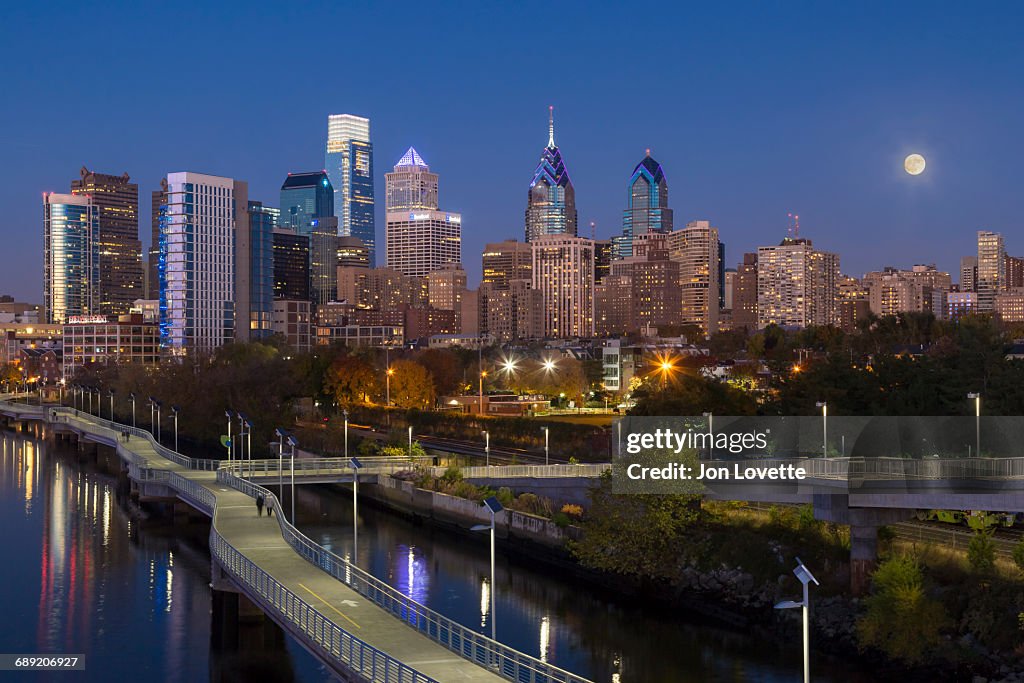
[(528, 471), (273, 466), (468, 644)]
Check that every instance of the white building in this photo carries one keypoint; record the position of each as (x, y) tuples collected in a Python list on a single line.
[(203, 226), (563, 271), (797, 285), (991, 269)]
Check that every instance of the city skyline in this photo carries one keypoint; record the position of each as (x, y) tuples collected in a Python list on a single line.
[(826, 140)]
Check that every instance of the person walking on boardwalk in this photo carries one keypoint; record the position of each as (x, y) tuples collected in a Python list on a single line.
[(259, 505), (270, 508)]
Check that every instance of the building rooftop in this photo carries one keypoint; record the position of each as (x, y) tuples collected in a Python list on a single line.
[(411, 158)]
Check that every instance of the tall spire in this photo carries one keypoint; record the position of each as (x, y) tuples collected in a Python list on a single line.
[(551, 127)]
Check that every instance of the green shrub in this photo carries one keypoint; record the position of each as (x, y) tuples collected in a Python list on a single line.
[(981, 552), (561, 520), (451, 475), (505, 496), (805, 518), (1018, 555), (901, 620)]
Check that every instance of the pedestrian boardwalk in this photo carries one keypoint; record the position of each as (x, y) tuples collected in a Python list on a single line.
[(357, 625)]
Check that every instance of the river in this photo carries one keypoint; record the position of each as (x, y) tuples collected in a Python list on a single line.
[(87, 572)]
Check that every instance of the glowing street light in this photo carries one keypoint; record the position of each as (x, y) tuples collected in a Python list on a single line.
[(174, 412), (546, 430), (132, 397), (230, 446), (805, 576), (824, 427), (355, 464), (487, 447)]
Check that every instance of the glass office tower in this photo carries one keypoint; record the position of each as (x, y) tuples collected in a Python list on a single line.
[(349, 163), (551, 203), (262, 221), (71, 257), (646, 205)]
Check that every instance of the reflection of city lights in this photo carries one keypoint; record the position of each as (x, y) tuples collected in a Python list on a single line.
[(485, 601), (412, 573), (545, 638)]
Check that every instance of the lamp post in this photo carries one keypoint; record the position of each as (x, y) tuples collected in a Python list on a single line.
[(132, 397), (546, 434), (152, 416), (354, 462), (805, 576), (824, 427), (174, 411), (977, 422), (111, 392), (90, 400), (487, 447), (281, 436), (410, 442), (494, 507), (345, 413), (293, 443), (230, 446), (159, 405)]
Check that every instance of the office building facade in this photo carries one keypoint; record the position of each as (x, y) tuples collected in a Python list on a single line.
[(551, 201), (563, 272), (291, 265), (262, 222), (646, 206), (71, 257), (349, 164)]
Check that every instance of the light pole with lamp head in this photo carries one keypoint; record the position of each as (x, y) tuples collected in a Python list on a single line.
[(711, 433), (494, 507), (152, 415), (805, 576), (132, 397), (159, 405), (487, 447), (293, 443), (356, 465), (111, 392), (230, 446), (824, 427), (977, 422), (281, 436), (174, 412), (345, 414), (410, 442), (546, 434), (90, 400)]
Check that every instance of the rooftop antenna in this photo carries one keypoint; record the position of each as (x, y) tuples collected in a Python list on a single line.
[(794, 226), (551, 126)]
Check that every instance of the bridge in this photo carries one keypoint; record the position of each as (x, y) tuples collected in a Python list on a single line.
[(361, 628)]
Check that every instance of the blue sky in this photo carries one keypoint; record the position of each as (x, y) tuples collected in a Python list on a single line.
[(753, 109)]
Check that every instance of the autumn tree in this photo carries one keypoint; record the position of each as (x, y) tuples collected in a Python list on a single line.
[(411, 385), (444, 367), (351, 379)]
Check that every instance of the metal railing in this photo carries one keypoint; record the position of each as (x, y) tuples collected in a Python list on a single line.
[(312, 466), (505, 661), (333, 641), (530, 471)]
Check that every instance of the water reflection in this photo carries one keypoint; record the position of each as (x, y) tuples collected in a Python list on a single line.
[(82, 575), (546, 612)]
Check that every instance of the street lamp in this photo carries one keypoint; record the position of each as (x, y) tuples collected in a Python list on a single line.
[(546, 430), (483, 373), (824, 427), (152, 416), (132, 397), (230, 446), (174, 411), (494, 507), (487, 447), (805, 576), (977, 421), (111, 392), (281, 436), (387, 384), (345, 413), (90, 400), (293, 443), (410, 442), (356, 465), (159, 405)]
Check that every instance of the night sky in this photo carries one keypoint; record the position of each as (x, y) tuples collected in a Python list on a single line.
[(754, 110)]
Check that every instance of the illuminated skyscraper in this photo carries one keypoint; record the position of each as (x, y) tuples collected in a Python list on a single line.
[(419, 239), (563, 271), (646, 206), (696, 248), (204, 261), (551, 203), (991, 269), (307, 206), (349, 163), (797, 285), (121, 274), (262, 221), (71, 257)]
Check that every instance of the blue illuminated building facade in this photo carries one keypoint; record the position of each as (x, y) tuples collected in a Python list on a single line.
[(349, 164), (262, 221), (551, 203), (646, 206), (307, 206), (71, 257)]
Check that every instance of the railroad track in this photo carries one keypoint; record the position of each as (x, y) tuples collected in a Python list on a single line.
[(955, 538)]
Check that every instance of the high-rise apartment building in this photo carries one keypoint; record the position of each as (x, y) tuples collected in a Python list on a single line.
[(349, 164), (291, 265), (646, 205), (991, 269), (71, 257), (892, 291), (419, 238), (158, 198), (641, 292), (696, 249), (1014, 272), (744, 293), (445, 288), (121, 274), (204, 271), (797, 285), (563, 271), (551, 202), (504, 262), (853, 303), (508, 314), (262, 222), (968, 273)]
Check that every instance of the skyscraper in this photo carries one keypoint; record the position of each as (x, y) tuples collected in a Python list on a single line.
[(504, 262), (968, 273), (262, 221), (157, 199), (646, 205), (551, 202), (991, 269), (563, 271), (307, 206), (696, 248), (291, 265), (71, 257), (744, 293), (349, 163), (204, 239), (121, 274), (797, 285), (419, 238)]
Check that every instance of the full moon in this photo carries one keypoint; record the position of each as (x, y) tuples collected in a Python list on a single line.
[(914, 164)]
